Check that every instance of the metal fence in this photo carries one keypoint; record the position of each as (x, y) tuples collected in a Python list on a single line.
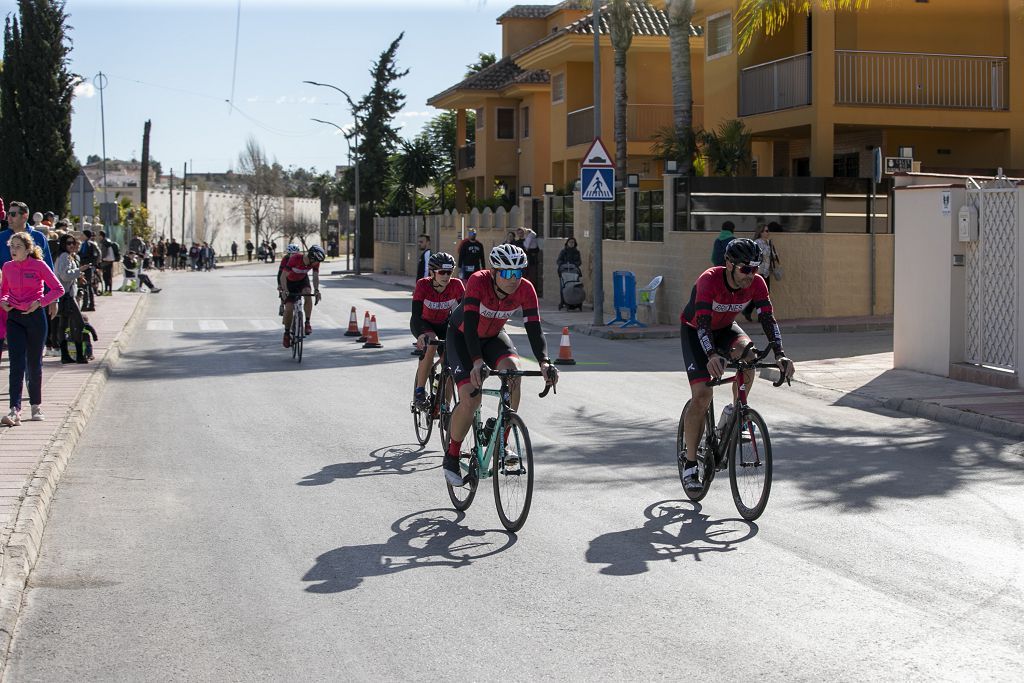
[(561, 216), (775, 85), (649, 216), (613, 218), (579, 126), (916, 79)]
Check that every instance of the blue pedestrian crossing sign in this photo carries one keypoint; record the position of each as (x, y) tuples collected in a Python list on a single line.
[(597, 184)]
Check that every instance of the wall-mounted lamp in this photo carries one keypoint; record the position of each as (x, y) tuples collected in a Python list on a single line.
[(632, 180), (671, 166), (576, 186), (525, 190), (549, 188)]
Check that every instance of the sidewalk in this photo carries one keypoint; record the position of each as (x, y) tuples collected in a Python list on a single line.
[(869, 380), (34, 455)]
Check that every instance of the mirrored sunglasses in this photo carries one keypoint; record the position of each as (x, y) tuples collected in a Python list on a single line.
[(511, 273), (749, 268)]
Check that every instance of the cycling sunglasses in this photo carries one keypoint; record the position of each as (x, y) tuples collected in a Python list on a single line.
[(511, 273), (749, 268), (443, 272)]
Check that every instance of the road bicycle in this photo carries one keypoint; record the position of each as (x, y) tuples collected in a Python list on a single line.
[(423, 416), (501, 451), (743, 445), (93, 279), (298, 328)]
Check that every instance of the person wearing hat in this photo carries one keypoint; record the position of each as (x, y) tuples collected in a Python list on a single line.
[(471, 254), (89, 257)]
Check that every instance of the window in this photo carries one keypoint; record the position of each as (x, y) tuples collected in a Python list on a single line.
[(480, 118), (557, 88), (719, 35), (846, 165), (506, 124), (526, 121)]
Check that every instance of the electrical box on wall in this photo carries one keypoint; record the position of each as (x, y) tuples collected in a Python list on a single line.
[(967, 221)]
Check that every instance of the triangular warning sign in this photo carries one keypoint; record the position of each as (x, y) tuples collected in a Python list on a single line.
[(597, 155), (598, 188)]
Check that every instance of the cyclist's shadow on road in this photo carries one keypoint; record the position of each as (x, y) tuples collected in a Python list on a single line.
[(431, 538), (674, 529), (397, 459)]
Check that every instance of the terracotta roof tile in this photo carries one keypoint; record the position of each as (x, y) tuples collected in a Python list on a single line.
[(502, 73), (538, 11)]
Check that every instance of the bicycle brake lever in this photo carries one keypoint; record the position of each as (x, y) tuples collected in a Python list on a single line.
[(547, 388)]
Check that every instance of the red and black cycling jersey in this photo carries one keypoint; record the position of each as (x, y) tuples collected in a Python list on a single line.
[(432, 306), (483, 313), (714, 305), (295, 268)]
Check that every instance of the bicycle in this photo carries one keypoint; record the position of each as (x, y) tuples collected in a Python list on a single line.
[(511, 465), (743, 446), (423, 417), (298, 328), (94, 280)]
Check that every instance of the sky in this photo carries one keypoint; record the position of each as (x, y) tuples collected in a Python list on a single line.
[(172, 62)]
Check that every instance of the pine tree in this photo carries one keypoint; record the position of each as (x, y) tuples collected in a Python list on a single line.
[(37, 160)]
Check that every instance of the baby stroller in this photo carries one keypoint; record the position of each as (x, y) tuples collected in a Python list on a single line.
[(570, 278)]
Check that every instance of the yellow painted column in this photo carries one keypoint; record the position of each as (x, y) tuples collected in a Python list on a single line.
[(823, 72), (1015, 53)]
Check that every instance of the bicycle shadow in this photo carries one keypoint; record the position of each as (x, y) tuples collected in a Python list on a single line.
[(396, 459), (628, 552), (430, 538)]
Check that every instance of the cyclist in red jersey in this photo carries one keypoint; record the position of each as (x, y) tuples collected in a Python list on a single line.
[(476, 337), (709, 333), (289, 250), (433, 301), (294, 281)]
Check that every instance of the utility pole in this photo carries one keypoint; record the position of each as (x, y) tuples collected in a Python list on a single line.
[(170, 225), (144, 180), (597, 229), (101, 84), (184, 179)]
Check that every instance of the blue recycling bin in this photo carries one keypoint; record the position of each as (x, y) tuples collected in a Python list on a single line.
[(624, 289)]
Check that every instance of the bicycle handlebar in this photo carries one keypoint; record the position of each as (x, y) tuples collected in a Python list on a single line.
[(432, 342), (486, 372), (750, 365)]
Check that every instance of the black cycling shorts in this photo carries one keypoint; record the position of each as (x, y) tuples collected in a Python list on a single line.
[(696, 360), (494, 350), (296, 287), (440, 329)]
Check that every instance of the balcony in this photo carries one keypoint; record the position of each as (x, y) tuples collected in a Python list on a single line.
[(579, 126), (780, 84), (643, 121), (902, 79), (467, 156)]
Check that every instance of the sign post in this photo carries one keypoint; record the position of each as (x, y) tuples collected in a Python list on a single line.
[(597, 184)]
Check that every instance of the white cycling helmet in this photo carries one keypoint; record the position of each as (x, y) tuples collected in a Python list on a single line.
[(293, 249), (508, 256)]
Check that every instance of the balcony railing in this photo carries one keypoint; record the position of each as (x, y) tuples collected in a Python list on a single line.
[(467, 156), (921, 80), (775, 85), (579, 126)]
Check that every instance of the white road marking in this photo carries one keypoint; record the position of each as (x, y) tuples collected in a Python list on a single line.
[(160, 325), (212, 325), (264, 324)]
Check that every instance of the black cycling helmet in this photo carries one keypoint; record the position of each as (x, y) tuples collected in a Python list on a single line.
[(316, 253), (442, 260), (743, 250)]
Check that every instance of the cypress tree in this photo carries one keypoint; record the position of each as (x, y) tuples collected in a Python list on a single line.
[(37, 161)]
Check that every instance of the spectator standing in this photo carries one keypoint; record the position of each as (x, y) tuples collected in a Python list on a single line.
[(194, 254), (204, 256), (110, 254), (23, 295), (160, 253), (423, 265), (273, 251), (89, 258), (721, 242), (234, 251), (531, 245), (249, 248), (570, 254), (471, 255), (69, 317), (510, 238), (17, 216), (769, 260), (172, 253)]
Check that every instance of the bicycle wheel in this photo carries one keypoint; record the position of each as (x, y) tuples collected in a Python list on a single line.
[(513, 476), (422, 417), (705, 456), (447, 399), (462, 496), (750, 466)]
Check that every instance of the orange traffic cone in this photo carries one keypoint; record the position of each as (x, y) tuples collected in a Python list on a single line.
[(353, 324), (565, 350), (372, 341), (366, 329)]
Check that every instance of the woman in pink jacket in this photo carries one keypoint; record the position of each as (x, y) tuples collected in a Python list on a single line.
[(24, 297)]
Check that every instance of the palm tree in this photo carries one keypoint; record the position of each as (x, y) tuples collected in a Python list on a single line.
[(413, 167), (769, 16), (728, 148), (620, 24), (680, 14)]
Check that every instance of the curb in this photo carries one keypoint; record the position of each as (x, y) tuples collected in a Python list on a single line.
[(917, 408), (22, 549)]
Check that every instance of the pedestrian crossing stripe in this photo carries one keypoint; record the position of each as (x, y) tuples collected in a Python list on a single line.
[(212, 325)]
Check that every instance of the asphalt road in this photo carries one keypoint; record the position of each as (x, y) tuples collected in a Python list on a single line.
[(233, 516)]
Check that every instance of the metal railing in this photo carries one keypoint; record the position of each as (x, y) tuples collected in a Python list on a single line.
[(579, 126), (643, 121), (467, 156), (916, 79), (779, 84)]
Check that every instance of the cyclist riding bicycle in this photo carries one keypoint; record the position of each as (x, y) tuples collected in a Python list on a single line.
[(294, 282), (289, 250), (476, 336), (433, 301), (710, 333)]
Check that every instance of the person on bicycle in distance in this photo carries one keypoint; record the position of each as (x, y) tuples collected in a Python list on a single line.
[(294, 282), (709, 333), (291, 249), (476, 336), (433, 300)]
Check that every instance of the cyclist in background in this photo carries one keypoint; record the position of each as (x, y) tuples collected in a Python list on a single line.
[(289, 250), (433, 301), (476, 336), (294, 281), (710, 333)]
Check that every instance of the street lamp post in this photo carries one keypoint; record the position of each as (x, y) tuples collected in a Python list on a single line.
[(356, 268)]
